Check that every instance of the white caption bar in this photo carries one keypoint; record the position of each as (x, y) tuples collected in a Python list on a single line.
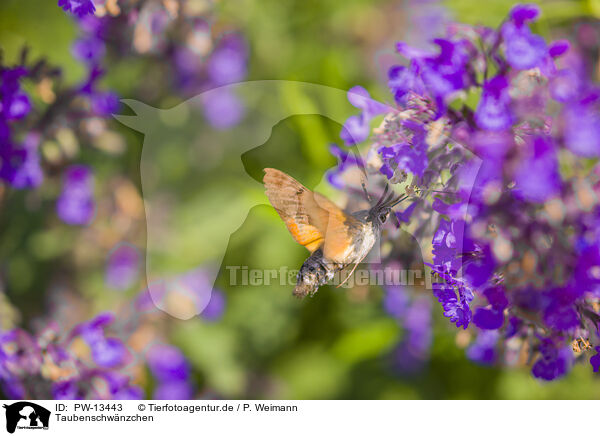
[(292, 417)]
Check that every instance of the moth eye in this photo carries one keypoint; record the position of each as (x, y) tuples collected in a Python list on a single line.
[(382, 217)]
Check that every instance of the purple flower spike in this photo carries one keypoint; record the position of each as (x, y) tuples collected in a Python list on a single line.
[(456, 309)]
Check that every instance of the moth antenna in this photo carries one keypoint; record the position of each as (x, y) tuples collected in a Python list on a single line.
[(384, 195), (364, 187), (443, 192)]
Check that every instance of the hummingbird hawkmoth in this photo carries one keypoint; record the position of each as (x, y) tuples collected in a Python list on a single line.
[(334, 238)]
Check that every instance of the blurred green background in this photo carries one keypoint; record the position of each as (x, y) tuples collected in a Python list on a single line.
[(268, 344)]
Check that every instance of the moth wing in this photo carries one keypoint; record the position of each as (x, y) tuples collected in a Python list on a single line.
[(312, 219), (296, 206), (341, 232)]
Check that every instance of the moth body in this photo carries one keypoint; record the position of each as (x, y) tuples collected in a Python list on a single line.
[(314, 272), (317, 270)]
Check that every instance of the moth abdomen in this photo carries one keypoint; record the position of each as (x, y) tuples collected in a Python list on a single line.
[(314, 272)]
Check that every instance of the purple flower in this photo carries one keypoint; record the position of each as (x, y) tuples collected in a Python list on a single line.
[(20, 166), (478, 263), (128, 393), (446, 72), (522, 13), (559, 48), (172, 372), (109, 352), (582, 130), (413, 350), (561, 317), (66, 390), (78, 7), (455, 308), (405, 215), (488, 319), (396, 301), (447, 244), (76, 205), (346, 159), (483, 349), (565, 85), (89, 50), (587, 269), (493, 111), (404, 80), (106, 352), (24, 357), (123, 267), (17, 106), (440, 74), (222, 108), (105, 103), (553, 363), (215, 307), (167, 363), (410, 156), (178, 390), (227, 63), (595, 360), (537, 178), (355, 130), (524, 50), (360, 98)]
